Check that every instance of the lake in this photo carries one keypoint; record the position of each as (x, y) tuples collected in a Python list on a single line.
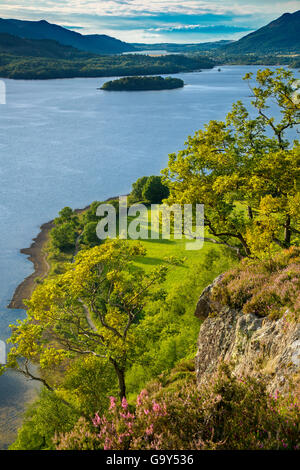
[(63, 142)]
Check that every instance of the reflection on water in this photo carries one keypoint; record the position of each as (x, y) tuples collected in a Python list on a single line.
[(12, 407)]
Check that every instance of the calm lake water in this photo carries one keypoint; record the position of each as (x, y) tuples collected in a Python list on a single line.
[(63, 142)]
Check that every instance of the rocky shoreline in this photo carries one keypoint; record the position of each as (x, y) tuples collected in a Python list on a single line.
[(41, 267)]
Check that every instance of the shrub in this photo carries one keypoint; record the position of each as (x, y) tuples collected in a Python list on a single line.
[(82, 437)]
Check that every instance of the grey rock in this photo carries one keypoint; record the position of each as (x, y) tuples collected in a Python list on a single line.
[(256, 346)]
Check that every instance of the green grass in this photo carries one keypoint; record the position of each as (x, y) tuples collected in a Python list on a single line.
[(157, 250)]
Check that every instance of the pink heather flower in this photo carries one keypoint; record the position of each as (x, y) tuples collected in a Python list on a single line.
[(156, 407), (146, 412), (96, 420), (141, 396), (149, 430), (112, 403), (124, 403), (107, 444)]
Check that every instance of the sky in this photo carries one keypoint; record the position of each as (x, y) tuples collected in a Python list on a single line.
[(154, 21)]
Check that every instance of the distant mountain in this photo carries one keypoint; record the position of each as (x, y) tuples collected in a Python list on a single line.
[(21, 47), (279, 36), (182, 48), (94, 43)]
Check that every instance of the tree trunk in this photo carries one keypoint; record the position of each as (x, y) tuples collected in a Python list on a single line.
[(287, 232), (250, 213), (121, 379)]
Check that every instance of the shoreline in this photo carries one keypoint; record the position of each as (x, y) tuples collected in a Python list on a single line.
[(41, 267), (38, 258)]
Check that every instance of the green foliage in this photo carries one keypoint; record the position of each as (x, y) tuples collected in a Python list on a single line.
[(89, 235), (143, 83), (265, 59), (103, 325), (168, 331), (154, 190), (87, 383), (64, 236), (270, 288), (137, 188), (47, 416), (247, 179), (90, 214), (65, 215), (21, 46)]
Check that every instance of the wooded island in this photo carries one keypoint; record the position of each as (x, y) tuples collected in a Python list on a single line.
[(143, 84)]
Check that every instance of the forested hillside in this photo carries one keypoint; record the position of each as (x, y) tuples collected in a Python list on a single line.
[(279, 36), (44, 59)]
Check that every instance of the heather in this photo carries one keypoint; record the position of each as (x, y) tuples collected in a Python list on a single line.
[(269, 288), (228, 413)]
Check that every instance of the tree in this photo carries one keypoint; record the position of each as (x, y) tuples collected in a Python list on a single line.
[(154, 190), (64, 236), (65, 214), (137, 188), (90, 214), (89, 235), (92, 310), (245, 171)]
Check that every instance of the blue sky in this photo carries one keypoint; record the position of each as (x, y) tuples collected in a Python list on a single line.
[(152, 21)]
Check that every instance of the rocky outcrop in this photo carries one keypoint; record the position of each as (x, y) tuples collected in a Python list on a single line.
[(256, 346)]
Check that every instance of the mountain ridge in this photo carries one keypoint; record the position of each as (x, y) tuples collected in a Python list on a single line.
[(280, 35), (93, 43)]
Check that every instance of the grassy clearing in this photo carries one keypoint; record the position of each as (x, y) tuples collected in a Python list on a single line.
[(157, 250)]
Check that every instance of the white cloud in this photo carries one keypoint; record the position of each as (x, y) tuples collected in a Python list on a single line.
[(132, 20), (145, 7)]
